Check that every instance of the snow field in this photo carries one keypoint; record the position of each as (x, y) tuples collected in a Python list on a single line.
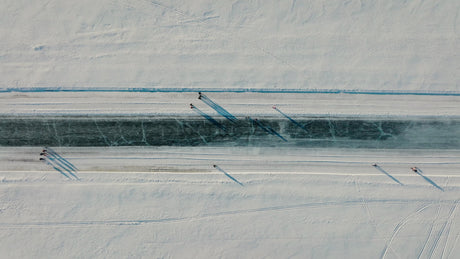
[(307, 202), (374, 45)]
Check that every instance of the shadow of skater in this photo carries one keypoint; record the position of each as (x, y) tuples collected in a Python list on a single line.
[(59, 163), (385, 172), (290, 118), (229, 176), (420, 172), (209, 118), (267, 129), (54, 153), (219, 109)]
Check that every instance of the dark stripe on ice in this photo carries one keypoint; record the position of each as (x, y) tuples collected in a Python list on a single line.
[(317, 132)]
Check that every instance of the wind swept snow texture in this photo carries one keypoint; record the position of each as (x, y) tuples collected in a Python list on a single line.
[(366, 45)]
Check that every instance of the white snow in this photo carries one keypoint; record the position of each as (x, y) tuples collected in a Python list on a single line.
[(239, 104), (170, 202), (378, 44)]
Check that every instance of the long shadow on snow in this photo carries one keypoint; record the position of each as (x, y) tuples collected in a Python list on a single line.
[(420, 172), (389, 175), (229, 176)]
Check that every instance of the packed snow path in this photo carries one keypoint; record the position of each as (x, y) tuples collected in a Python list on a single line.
[(239, 104)]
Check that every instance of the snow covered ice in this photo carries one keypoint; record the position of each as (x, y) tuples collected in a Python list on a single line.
[(370, 89)]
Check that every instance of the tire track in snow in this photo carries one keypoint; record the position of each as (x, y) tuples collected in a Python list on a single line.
[(439, 235), (430, 232), (453, 246), (398, 228), (448, 233)]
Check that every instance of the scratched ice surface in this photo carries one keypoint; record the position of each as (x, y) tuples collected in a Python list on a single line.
[(196, 131)]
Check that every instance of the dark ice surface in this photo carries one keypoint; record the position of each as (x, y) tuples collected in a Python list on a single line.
[(380, 132)]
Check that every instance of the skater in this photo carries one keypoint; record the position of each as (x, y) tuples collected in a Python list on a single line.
[(44, 153)]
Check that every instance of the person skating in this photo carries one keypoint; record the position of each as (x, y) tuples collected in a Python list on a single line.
[(44, 153)]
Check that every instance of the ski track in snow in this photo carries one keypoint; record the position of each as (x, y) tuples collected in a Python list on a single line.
[(451, 220), (430, 232), (441, 232), (351, 203), (399, 226)]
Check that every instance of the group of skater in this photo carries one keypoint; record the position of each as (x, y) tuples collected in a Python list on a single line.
[(43, 154), (60, 164)]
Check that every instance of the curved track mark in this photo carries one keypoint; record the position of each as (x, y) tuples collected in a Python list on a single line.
[(398, 228), (438, 237), (430, 232), (189, 218)]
